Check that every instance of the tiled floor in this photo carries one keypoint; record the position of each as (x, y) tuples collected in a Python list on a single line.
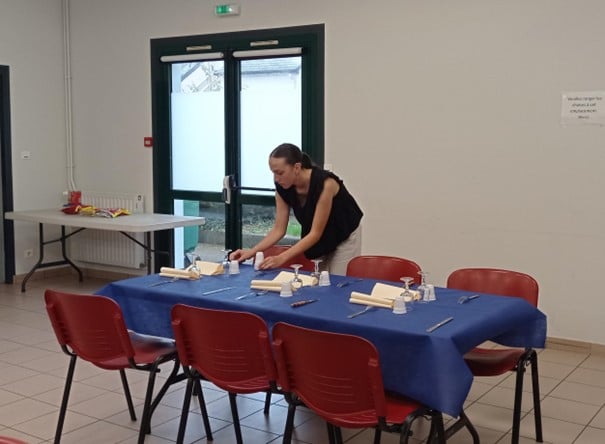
[(32, 372)]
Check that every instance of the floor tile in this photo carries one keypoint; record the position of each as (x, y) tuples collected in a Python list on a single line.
[(505, 397), (599, 420), (98, 433), (591, 435), (44, 426), (23, 410), (595, 362), (561, 357), (566, 410), (554, 431), (588, 377), (579, 392)]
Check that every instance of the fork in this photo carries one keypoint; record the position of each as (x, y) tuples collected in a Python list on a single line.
[(365, 310)]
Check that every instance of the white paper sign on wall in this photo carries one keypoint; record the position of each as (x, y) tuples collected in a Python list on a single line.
[(583, 108)]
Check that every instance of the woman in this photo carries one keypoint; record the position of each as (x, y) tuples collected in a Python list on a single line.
[(329, 216)]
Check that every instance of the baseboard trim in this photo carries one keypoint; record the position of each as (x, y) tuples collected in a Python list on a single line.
[(66, 270)]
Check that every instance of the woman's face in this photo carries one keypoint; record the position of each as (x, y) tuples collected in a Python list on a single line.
[(283, 173)]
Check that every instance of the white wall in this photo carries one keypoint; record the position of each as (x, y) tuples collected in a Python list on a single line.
[(31, 45), (453, 105)]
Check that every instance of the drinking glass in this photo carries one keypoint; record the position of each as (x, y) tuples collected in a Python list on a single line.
[(422, 288), (193, 258), (296, 282), (316, 272), (225, 262), (406, 292)]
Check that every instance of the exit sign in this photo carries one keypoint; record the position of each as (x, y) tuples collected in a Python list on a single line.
[(226, 10)]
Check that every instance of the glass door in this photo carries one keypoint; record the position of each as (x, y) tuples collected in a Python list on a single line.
[(228, 106)]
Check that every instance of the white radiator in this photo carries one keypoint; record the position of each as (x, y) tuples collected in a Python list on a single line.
[(110, 247)]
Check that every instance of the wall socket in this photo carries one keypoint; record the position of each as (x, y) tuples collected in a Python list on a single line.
[(28, 253)]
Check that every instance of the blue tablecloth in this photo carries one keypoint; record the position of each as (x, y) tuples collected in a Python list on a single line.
[(428, 367)]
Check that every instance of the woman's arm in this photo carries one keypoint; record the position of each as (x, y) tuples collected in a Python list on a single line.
[(320, 219), (282, 214)]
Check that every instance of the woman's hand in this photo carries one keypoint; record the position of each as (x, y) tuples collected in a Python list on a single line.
[(272, 262), (241, 255)]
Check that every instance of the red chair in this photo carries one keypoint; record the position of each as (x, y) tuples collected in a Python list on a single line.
[(7, 440), (275, 250), (92, 328), (387, 268), (338, 376), (228, 348), (493, 362)]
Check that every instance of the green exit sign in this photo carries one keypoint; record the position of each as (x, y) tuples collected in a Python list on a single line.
[(226, 10)]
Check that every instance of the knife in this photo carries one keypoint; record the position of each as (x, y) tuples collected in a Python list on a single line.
[(217, 291), (439, 324)]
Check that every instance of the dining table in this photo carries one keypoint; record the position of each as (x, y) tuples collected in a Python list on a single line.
[(419, 362)]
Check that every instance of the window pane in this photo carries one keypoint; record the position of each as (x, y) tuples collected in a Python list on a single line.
[(257, 220), (197, 124), (270, 114)]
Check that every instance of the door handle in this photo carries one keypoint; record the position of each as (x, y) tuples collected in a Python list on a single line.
[(229, 186)]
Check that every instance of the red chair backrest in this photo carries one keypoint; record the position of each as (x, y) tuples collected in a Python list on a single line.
[(92, 326), (225, 347), (334, 374), (495, 281), (275, 250), (387, 268)]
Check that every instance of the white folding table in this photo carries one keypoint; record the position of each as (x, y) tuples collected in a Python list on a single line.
[(134, 223)]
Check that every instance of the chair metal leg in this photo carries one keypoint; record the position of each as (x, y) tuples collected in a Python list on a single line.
[(437, 418), (236, 425), (66, 390), (377, 435), (517, 402), (145, 427), (204, 410), (267, 402), (289, 423), (331, 433), (172, 378), (133, 415), (536, 393), (185, 411), (338, 435)]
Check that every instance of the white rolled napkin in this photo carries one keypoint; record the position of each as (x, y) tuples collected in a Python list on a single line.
[(178, 273), (259, 284), (366, 299)]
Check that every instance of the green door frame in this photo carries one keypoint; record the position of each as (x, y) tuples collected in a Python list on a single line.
[(310, 38), (6, 176)]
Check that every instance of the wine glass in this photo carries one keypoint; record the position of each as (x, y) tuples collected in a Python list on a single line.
[(193, 258), (422, 288), (316, 272), (296, 282), (407, 294), (225, 262)]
